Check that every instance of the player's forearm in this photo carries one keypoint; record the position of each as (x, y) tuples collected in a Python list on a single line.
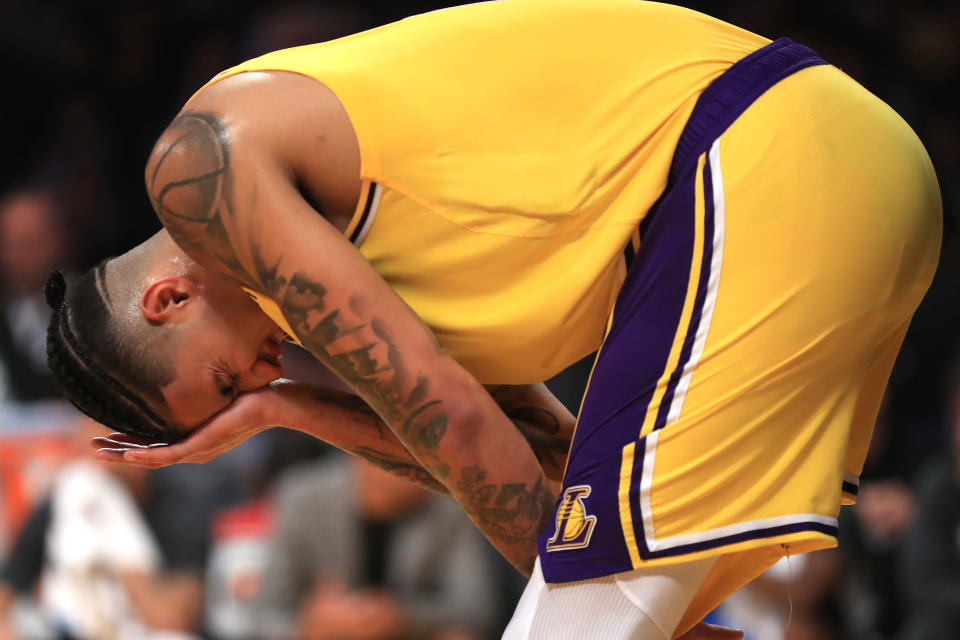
[(463, 445), (457, 441), (464, 439), (348, 423), (543, 421)]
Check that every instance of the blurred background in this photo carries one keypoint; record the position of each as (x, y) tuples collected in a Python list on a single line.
[(282, 538)]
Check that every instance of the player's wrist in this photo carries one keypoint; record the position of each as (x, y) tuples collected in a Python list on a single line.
[(279, 404), (293, 405)]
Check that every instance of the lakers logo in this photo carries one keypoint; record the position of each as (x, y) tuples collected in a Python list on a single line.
[(574, 526)]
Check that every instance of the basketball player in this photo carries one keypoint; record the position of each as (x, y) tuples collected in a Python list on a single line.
[(481, 195)]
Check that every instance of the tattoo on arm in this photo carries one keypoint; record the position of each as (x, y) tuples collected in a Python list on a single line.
[(541, 429), (539, 422), (360, 411), (404, 465), (363, 353), (191, 186), (410, 470), (511, 512)]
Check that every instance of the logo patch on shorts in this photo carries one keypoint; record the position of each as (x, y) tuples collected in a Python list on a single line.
[(574, 526)]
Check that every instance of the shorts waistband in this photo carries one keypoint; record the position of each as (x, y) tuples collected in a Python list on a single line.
[(732, 92)]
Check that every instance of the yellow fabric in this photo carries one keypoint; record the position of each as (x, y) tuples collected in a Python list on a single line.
[(811, 310), (519, 143), (272, 309)]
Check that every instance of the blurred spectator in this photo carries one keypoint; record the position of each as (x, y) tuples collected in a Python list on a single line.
[(32, 243), (793, 600), (97, 561), (240, 552), (931, 557), (360, 554), (872, 533), (871, 541)]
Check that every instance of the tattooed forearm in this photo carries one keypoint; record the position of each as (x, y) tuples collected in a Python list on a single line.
[(545, 424), (426, 425), (362, 353), (440, 421), (512, 513), (359, 411), (191, 186), (368, 437), (541, 429), (410, 470)]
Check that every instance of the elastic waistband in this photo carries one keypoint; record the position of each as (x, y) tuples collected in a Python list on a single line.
[(732, 92)]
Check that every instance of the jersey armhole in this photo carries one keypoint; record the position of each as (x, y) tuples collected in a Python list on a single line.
[(365, 212)]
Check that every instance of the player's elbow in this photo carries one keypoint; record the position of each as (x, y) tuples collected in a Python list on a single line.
[(454, 421)]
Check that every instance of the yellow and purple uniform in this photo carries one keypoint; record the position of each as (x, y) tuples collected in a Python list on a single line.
[(785, 225)]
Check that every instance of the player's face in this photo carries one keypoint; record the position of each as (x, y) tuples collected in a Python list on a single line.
[(228, 347)]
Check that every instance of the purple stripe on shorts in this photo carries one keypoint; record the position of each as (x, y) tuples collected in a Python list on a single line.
[(701, 295), (736, 89), (624, 378)]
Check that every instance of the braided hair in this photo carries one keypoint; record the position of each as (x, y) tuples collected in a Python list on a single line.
[(84, 346)]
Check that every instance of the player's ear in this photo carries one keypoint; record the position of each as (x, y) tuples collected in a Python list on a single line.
[(166, 298)]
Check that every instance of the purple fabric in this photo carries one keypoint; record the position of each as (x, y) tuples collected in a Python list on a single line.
[(729, 95), (694, 323)]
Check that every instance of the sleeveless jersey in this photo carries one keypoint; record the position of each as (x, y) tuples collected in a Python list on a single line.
[(508, 152)]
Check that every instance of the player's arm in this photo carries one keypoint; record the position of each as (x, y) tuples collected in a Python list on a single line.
[(253, 221), (545, 423), (345, 421), (349, 423), (338, 418)]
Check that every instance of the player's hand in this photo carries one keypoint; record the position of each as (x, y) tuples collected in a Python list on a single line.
[(246, 416), (704, 631)]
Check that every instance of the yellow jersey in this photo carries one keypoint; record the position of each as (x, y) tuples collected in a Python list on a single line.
[(508, 152)]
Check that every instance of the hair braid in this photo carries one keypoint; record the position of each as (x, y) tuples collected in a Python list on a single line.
[(86, 384)]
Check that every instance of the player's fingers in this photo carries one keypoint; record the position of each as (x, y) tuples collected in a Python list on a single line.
[(111, 442), (110, 454), (153, 458), (197, 447), (119, 455), (119, 438)]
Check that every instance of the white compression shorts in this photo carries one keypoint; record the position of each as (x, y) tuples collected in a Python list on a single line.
[(643, 604)]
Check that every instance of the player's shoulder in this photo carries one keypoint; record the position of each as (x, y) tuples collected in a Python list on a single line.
[(259, 120), (275, 107)]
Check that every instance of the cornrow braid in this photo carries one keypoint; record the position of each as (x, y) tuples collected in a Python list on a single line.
[(84, 382)]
